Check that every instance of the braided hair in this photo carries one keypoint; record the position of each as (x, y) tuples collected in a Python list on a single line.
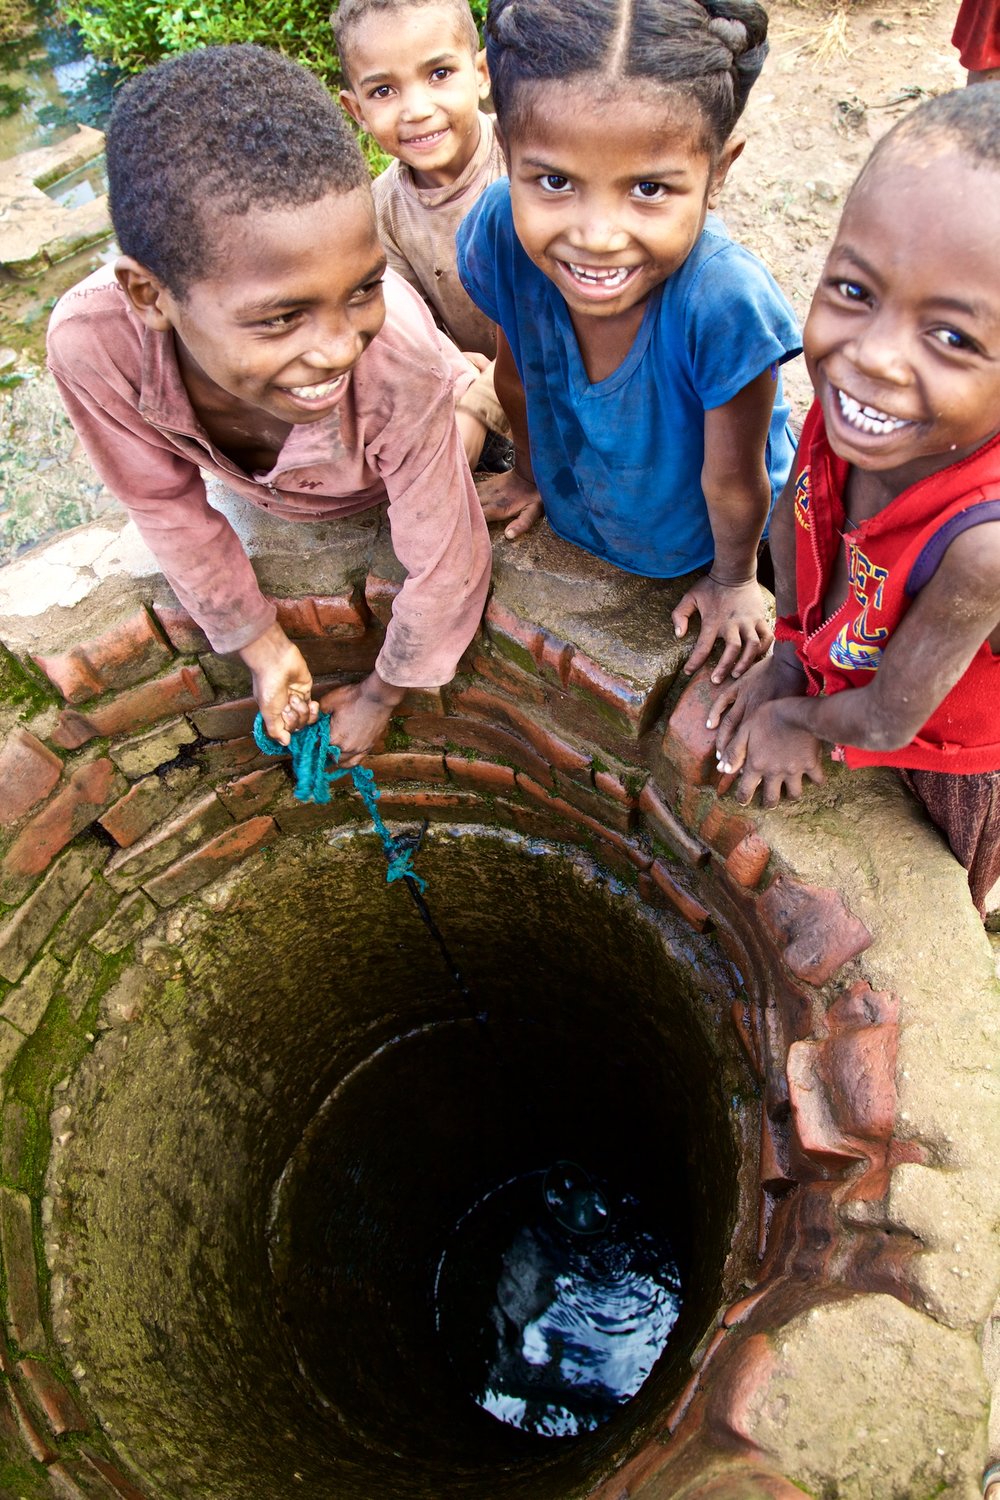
[(711, 50)]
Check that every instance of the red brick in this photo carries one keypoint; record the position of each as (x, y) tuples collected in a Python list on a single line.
[(723, 829), (119, 1484), (738, 1312), (61, 1411), (739, 1014), (691, 910), (142, 807), (484, 775), (631, 708), (511, 635), (426, 800), (225, 756), (688, 745), (343, 616), (380, 593), (730, 1408), (63, 1486), (679, 1410), (307, 817), (420, 701), (217, 857), (119, 657), (28, 772), (17, 1240), (747, 863), (634, 853), (74, 806), (250, 794), (161, 698), (226, 721), (470, 734), (664, 825), (611, 786), (24, 931), (745, 1481), (180, 630), (510, 678), (610, 814), (32, 1439), (775, 1173), (327, 657), (560, 755), (406, 765), (196, 822), (819, 933)]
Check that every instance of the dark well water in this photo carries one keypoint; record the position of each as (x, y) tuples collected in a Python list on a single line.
[(554, 1298)]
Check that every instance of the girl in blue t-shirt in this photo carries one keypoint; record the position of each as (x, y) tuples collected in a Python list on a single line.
[(639, 346)]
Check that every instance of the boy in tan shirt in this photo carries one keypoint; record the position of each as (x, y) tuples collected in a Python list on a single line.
[(416, 77)]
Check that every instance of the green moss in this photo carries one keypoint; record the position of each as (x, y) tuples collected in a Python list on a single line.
[(465, 751), (634, 781), (514, 652), (396, 737), (25, 1481), (663, 851), (21, 685)]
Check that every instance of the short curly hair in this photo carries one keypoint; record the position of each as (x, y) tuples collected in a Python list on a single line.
[(968, 117), (222, 130)]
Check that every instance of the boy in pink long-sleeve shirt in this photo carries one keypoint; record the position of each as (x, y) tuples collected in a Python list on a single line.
[(250, 329)]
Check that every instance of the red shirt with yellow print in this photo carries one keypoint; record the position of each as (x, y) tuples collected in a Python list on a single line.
[(889, 557)]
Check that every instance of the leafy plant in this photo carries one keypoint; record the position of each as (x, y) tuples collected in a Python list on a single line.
[(134, 33)]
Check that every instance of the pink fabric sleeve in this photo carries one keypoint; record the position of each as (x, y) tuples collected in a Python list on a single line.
[(198, 551), (440, 538)]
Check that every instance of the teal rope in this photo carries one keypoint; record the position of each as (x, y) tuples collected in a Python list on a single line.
[(309, 749)]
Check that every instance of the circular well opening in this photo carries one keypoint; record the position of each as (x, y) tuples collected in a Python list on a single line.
[(270, 1162)]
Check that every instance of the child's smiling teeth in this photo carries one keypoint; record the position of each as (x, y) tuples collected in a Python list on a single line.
[(612, 276), (866, 418), (316, 392)]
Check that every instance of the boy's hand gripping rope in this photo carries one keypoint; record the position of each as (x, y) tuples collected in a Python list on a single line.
[(309, 749)]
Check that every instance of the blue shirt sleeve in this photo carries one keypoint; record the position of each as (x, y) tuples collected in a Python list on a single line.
[(737, 323)]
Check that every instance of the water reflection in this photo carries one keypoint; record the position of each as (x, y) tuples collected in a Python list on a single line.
[(556, 1301), (49, 83)]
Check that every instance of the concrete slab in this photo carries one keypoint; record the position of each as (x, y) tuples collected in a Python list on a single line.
[(35, 231)]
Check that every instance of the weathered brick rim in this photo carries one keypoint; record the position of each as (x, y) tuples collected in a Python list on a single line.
[(102, 835)]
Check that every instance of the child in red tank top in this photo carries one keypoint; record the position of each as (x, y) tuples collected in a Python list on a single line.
[(886, 540)]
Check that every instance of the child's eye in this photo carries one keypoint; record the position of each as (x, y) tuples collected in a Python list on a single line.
[(952, 339), (280, 320), (369, 289), (381, 92), (852, 290), (440, 74), (650, 192), (553, 182)]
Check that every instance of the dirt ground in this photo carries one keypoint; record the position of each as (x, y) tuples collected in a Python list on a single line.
[(837, 78)]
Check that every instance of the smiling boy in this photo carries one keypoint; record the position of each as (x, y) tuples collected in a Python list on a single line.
[(416, 78), (886, 541), (249, 329)]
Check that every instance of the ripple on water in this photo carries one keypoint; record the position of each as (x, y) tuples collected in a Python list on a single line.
[(553, 1328)]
